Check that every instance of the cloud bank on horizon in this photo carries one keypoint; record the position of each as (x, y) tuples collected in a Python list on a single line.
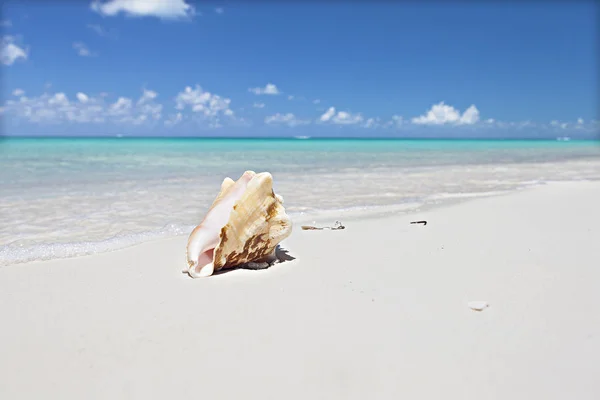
[(105, 35)]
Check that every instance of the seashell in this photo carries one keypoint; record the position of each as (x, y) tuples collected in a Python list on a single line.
[(245, 223)]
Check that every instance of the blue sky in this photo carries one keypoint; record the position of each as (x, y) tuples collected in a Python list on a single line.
[(175, 67)]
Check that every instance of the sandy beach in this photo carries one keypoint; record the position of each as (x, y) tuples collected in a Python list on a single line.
[(378, 310)]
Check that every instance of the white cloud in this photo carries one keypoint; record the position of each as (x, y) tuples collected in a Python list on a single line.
[(59, 99), (258, 105), (341, 117), (372, 123), (290, 97), (82, 97), (219, 10), (441, 114), (147, 95), (397, 121), (316, 101), (470, 116), (560, 125), (120, 108), (285, 119), (580, 121), (164, 9), (83, 50), (346, 118), (209, 106), (18, 92), (327, 115), (10, 52), (57, 108), (6, 23), (268, 89)]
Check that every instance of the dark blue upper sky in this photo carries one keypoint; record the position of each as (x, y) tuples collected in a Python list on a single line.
[(334, 68)]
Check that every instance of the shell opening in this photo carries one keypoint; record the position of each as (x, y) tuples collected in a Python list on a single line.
[(204, 259)]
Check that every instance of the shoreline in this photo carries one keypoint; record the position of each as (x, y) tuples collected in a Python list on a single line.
[(78, 207), (319, 217), (377, 310)]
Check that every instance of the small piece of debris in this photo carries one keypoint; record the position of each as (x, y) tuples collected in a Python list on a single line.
[(336, 226), (478, 305), (419, 222)]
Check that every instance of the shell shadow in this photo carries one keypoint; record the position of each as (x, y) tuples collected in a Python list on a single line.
[(282, 255)]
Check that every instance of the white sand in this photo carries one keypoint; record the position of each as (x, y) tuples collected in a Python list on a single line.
[(376, 311)]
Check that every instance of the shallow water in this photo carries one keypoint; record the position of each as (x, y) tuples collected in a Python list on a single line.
[(66, 197)]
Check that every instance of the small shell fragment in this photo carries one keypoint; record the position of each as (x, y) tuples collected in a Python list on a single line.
[(478, 305)]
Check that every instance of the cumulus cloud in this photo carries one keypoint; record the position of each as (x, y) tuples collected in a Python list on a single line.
[(147, 96), (18, 92), (163, 9), (211, 107), (288, 119), (11, 52), (345, 118), (83, 50), (58, 108), (341, 117), (258, 105), (82, 97), (396, 121), (372, 123), (327, 115), (442, 114), (268, 89)]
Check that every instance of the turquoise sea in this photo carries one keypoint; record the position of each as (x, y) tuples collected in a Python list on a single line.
[(63, 197)]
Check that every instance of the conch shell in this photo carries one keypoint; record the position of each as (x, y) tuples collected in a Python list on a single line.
[(245, 223)]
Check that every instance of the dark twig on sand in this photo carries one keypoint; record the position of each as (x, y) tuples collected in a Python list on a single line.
[(419, 222)]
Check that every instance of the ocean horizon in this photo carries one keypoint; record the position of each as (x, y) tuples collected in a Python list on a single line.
[(559, 138), (71, 196)]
